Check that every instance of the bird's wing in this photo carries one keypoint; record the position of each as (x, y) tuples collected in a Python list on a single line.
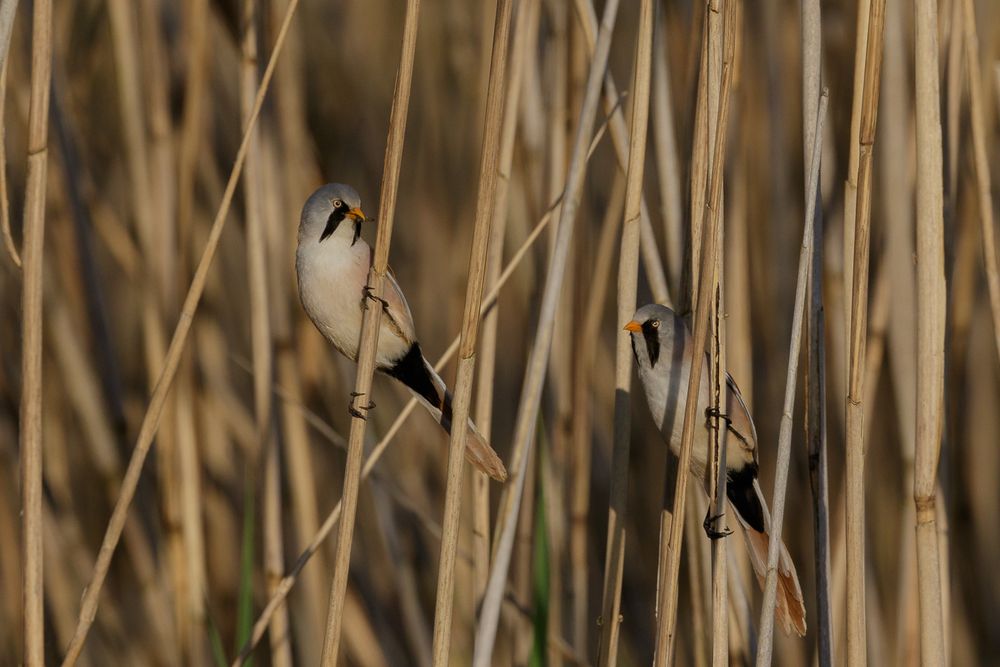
[(398, 317), (740, 422)]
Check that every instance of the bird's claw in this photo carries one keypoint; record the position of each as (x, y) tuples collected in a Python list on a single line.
[(710, 530), (356, 411), (369, 295), (713, 412)]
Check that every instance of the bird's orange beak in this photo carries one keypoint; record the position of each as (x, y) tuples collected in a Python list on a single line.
[(357, 214), (633, 326)]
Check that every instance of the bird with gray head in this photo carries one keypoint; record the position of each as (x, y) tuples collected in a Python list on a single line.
[(664, 351), (332, 262)]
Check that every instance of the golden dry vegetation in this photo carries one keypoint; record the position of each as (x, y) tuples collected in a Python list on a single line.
[(611, 156)]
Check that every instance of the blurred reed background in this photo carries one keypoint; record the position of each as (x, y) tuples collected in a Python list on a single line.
[(143, 120)]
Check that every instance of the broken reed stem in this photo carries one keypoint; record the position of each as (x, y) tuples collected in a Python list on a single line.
[(628, 276), (855, 474), (151, 419), (285, 585), (668, 594), (485, 203), (931, 314), (528, 408), (30, 427), (766, 635), (369, 331), (982, 164)]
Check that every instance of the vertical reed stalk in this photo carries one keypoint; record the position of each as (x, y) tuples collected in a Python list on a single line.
[(668, 594), (668, 168), (8, 238), (370, 329), (33, 593), (485, 209), (982, 164), (815, 391), (151, 418), (528, 407), (525, 32), (931, 313), (766, 637), (628, 275), (855, 514)]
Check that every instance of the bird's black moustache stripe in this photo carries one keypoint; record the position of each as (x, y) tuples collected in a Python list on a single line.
[(336, 218), (652, 342)]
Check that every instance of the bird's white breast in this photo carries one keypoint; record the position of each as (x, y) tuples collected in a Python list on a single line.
[(331, 275)]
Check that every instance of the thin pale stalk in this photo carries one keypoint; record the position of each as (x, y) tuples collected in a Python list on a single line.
[(582, 413), (485, 203), (620, 138), (628, 275), (982, 165), (766, 636), (931, 314), (855, 460), (861, 51), (151, 418), (524, 38), (668, 166), (8, 237), (369, 331), (30, 425), (528, 408), (668, 594)]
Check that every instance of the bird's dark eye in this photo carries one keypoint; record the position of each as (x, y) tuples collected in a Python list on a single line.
[(655, 324), (337, 203)]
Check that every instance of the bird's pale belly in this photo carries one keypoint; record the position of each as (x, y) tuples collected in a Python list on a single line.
[(326, 281)]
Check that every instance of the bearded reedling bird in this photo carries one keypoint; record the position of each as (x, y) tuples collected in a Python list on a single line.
[(332, 262), (663, 350)]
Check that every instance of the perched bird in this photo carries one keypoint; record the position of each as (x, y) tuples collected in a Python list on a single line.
[(663, 350), (332, 262)]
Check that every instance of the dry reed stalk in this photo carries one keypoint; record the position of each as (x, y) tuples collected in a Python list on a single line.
[(717, 366), (628, 275), (582, 412), (8, 238), (700, 148), (651, 260), (151, 418), (815, 390), (668, 167), (861, 50), (196, 24), (931, 313), (370, 329), (525, 32), (982, 165), (668, 593), (953, 31), (766, 635), (485, 209), (855, 460), (30, 424), (528, 407), (255, 190)]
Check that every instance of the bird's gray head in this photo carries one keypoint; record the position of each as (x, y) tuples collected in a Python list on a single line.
[(328, 208), (654, 328)]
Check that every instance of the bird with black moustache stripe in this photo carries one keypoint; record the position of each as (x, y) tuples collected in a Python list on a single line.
[(664, 351), (332, 262)]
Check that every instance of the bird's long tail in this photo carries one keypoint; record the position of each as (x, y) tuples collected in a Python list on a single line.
[(789, 609), (420, 378)]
